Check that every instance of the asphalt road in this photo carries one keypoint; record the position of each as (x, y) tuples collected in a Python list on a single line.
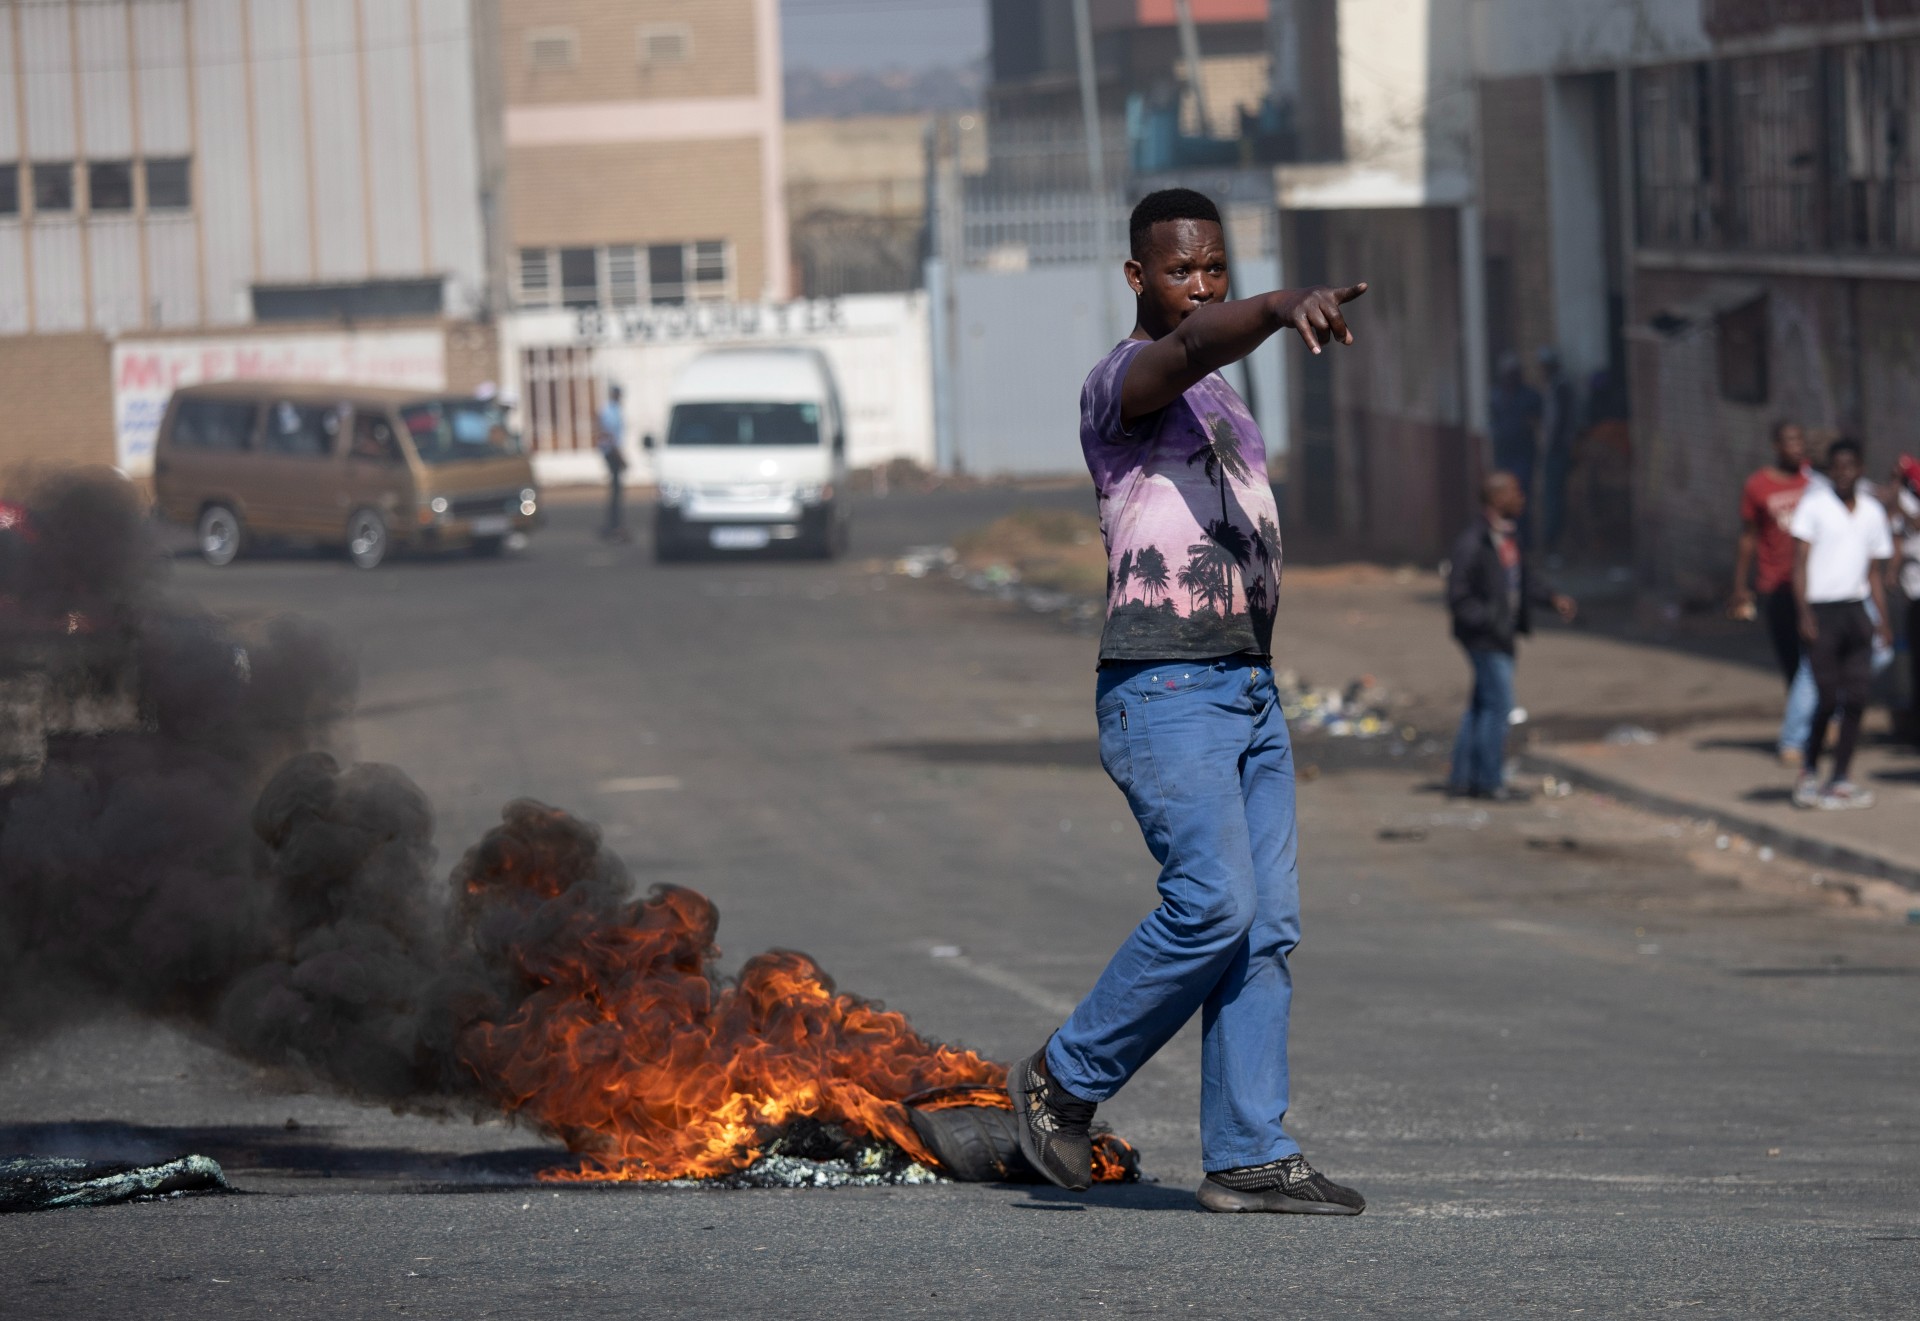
[(1573, 1072)]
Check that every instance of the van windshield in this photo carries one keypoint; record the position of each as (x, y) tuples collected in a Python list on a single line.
[(744, 424), (450, 430)]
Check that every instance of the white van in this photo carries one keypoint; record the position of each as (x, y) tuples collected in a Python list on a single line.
[(755, 456)]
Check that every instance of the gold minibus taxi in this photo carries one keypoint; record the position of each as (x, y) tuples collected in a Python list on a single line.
[(367, 468)]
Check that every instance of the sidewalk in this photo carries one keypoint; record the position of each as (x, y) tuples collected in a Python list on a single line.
[(1712, 722)]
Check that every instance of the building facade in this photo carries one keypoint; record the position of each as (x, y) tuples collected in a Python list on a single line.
[(644, 152), (179, 169)]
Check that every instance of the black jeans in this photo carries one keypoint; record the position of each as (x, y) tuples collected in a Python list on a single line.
[(1782, 616), (616, 490), (1842, 661)]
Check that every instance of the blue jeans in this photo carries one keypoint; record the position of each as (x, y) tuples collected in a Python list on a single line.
[(1200, 748), (1480, 750)]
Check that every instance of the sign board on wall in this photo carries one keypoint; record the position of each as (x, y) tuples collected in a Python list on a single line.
[(876, 344), (147, 372)]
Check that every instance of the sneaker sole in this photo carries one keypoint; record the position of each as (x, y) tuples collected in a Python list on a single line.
[(1021, 1130), (1228, 1201)]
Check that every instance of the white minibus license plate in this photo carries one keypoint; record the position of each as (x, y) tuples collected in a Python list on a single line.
[(740, 538), (492, 525)]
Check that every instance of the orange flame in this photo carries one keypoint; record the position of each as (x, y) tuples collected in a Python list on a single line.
[(627, 1047)]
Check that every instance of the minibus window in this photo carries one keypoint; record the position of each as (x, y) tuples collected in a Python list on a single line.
[(304, 431), (213, 424), (373, 439), (456, 429), (744, 424)]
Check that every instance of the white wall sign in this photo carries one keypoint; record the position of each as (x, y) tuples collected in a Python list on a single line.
[(147, 372)]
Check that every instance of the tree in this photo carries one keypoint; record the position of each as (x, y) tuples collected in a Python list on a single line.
[(1222, 456), (1213, 563), (1151, 570)]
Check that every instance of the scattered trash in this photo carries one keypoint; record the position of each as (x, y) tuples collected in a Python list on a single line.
[(1625, 736), (1518, 716), (1722, 843), (46, 1183), (1773, 1151), (919, 561), (1554, 787), (1359, 710), (1410, 835), (1766, 854)]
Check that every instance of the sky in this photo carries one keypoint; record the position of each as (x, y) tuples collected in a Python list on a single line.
[(871, 35)]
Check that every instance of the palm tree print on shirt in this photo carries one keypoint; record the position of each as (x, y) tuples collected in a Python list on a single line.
[(1213, 562), (1150, 569), (1222, 457)]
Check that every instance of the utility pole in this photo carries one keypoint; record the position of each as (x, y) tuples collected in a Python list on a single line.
[(1190, 56), (1090, 101)]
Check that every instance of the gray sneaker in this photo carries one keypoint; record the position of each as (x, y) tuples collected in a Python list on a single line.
[(1053, 1125), (1842, 795), (1806, 790)]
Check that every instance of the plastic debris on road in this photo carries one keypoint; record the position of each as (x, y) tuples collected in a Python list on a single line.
[(1359, 710), (47, 1183), (1630, 736)]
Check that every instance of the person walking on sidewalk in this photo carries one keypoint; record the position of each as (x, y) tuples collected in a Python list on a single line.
[(1190, 726), (1492, 590), (1901, 495), (609, 434), (1842, 545), (1763, 567)]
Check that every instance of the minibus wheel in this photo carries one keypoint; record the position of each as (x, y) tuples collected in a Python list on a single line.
[(367, 538), (220, 535)]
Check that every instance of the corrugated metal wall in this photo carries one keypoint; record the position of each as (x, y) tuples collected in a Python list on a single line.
[(330, 140)]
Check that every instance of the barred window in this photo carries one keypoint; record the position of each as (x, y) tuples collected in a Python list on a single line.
[(536, 277)]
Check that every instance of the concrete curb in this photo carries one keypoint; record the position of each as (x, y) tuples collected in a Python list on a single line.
[(1804, 847)]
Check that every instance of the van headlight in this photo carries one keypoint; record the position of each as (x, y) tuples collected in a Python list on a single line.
[(813, 495), (438, 504), (671, 493), (529, 501)]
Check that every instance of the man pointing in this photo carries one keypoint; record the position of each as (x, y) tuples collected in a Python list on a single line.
[(1190, 725)]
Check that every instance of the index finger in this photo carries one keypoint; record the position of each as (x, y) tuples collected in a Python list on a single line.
[(1350, 293)]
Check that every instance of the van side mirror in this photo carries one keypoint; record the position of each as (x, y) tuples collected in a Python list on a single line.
[(646, 441)]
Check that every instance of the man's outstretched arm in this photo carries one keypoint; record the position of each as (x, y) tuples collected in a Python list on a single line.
[(1223, 333)]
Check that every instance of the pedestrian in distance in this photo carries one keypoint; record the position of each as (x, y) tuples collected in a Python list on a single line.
[(1842, 547), (1190, 725), (1763, 569), (1902, 497), (1493, 587), (609, 433)]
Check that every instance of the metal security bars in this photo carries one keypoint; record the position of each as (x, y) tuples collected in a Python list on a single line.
[(625, 275), (1814, 150)]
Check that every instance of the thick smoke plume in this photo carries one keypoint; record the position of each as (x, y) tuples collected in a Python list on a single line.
[(176, 836)]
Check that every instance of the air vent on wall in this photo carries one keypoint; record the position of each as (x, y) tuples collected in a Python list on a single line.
[(552, 48), (665, 43)]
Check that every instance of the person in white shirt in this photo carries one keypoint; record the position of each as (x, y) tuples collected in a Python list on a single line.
[(1842, 545)]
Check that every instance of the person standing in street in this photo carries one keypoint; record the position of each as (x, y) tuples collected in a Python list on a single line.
[(1763, 568), (1191, 728), (610, 430), (1492, 591), (1842, 546)]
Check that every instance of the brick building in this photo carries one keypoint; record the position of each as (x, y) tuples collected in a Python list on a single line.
[(232, 172), (644, 151)]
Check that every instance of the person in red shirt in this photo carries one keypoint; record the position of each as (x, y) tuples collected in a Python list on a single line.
[(1763, 564)]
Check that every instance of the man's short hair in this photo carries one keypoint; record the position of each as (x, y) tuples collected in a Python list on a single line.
[(1167, 204), (1782, 427), (1846, 445)]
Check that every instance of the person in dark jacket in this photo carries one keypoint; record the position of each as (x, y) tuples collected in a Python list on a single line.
[(1492, 591)]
